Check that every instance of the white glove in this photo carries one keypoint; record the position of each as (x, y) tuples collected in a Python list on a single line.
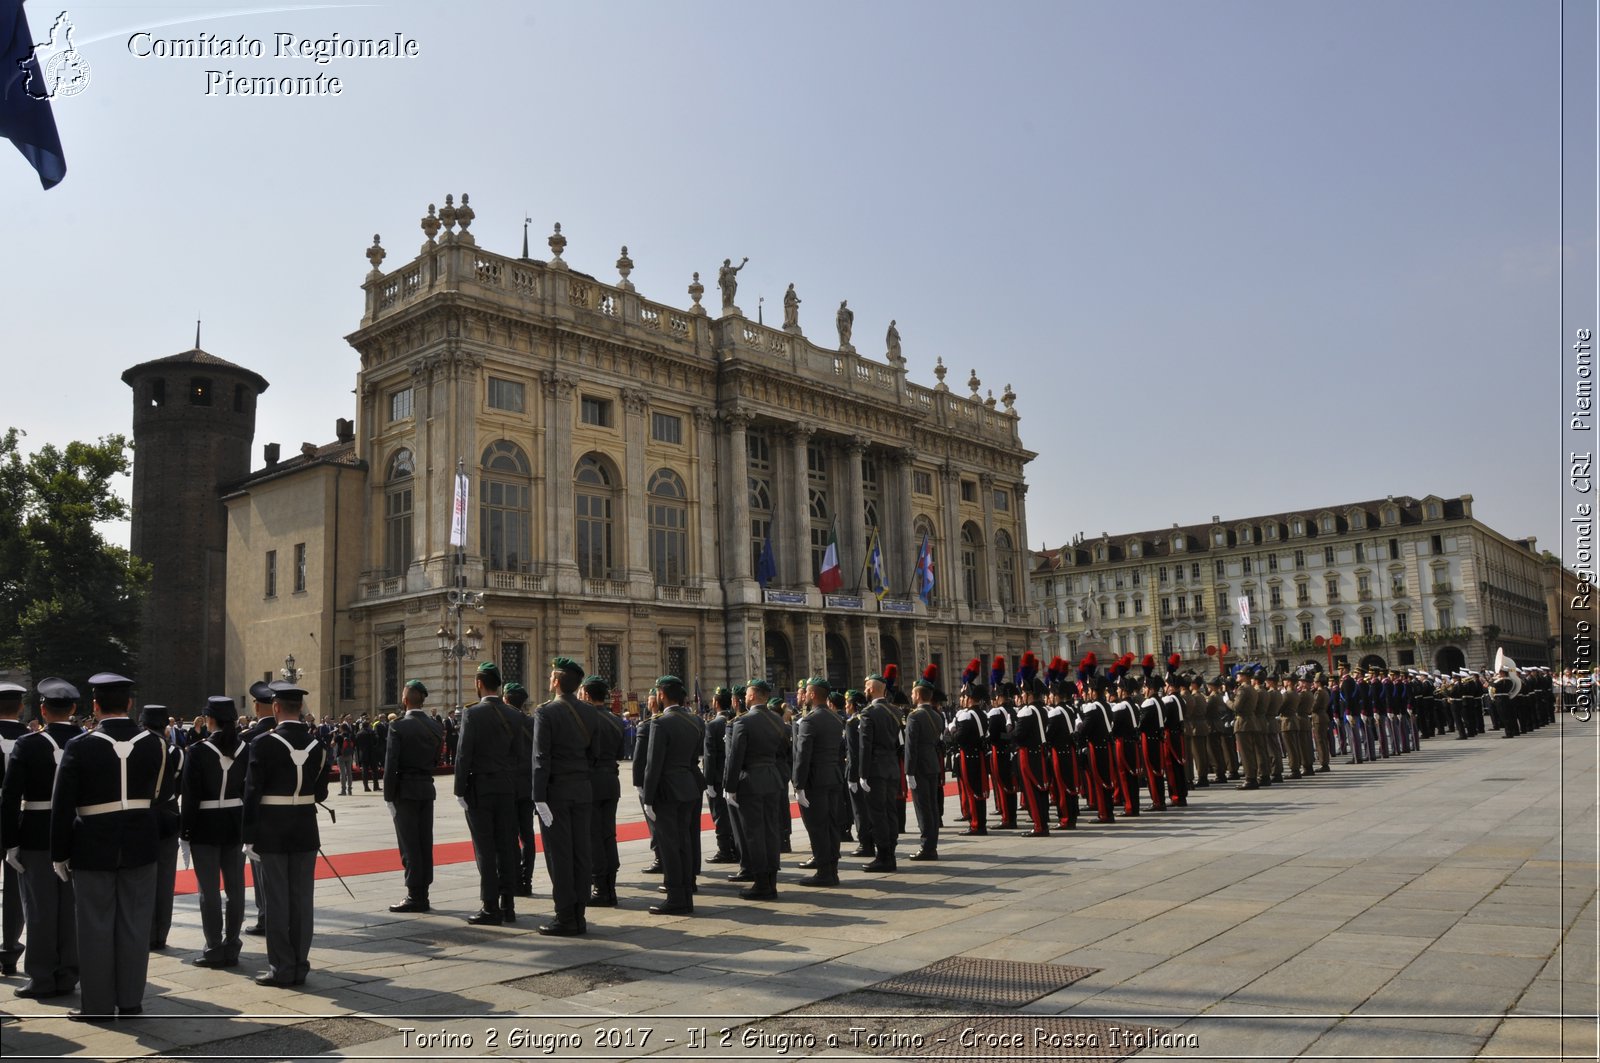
[(800, 795), (911, 781), (13, 859), (394, 810), (854, 786), (250, 854), (188, 857), (545, 815), (866, 787), (462, 801), (640, 791), (732, 798), (711, 793), (63, 869), (650, 813)]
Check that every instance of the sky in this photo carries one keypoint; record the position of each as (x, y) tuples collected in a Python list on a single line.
[(1235, 257)]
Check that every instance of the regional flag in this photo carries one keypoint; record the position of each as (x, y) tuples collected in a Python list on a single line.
[(25, 118), (767, 566), (925, 570), (458, 516), (831, 578), (875, 567)]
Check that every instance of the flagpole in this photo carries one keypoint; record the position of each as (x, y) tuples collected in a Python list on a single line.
[(861, 575)]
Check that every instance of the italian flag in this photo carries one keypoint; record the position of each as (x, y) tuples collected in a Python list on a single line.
[(831, 578)]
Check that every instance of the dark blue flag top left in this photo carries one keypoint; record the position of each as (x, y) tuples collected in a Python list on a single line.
[(25, 121)]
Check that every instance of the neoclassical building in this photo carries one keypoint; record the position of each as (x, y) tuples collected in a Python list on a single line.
[(649, 488), (1404, 582)]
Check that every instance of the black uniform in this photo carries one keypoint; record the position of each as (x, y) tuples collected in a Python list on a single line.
[(672, 787), (859, 806), (566, 733), (366, 755), (408, 762), (641, 753), (819, 774), (102, 823), (716, 760), (485, 777), (1002, 763), (527, 843), (51, 960), (11, 914), (881, 740), (970, 730), (1033, 774), (286, 779), (605, 786), (167, 820), (213, 825), (757, 745), (925, 764)]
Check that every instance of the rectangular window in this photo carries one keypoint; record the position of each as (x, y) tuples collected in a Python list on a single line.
[(1438, 544), (666, 428), (1118, 578), (1138, 607), (299, 568), (514, 662), (1166, 607), (347, 677), (1305, 631), (921, 482), (1252, 638), (1166, 645), (1222, 567), (1364, 585), (391, 675), (1366, 625), (607, 659), (1137, 577), (272, 574), (1194, 570), (1447, 618), (1302, 593), (1397, 586), (1002, 501), (506, 395), (1299, 559), (158, 392), (1275, 596), (1272, 562), (1222, 601), (400, 405), (595, 411), (969, 491), (1247, 568), (238, 398), (1402, 622), (200, 391), (678, 664), (1333, 590), (1394, 549), (1361, 551), (1338, 626), (1327, 555), (1183, 605), (1161, 574), (1277, 635), (1199, 606), (759, 452)]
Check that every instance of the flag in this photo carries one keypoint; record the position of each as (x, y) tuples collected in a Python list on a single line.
[(767, 566), (1244, 609), (831, 578), (925, 570), (458, 517), (26, 120), (875, 568)]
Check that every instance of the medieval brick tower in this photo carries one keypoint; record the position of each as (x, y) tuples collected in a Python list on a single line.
[(194, 422)]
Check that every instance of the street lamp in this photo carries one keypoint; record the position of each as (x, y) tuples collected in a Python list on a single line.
[(290, 673), (456, 645)]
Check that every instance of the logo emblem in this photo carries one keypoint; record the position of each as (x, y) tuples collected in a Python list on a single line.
[(65, 70)]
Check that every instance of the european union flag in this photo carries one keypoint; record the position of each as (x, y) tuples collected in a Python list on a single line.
[(25, 121), (767, 567)]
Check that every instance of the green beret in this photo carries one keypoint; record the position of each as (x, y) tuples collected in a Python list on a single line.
[(777, 704), (567, 665), (759, 684), (668, 680), (818, 681), (717, 693), (876, 678), (417, 685), (489, 666), (510, 689), (922, 684), (596, 684)]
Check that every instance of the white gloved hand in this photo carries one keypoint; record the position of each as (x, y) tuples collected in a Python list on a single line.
[(63, 869), (854, 786), (13, 859), (800, 796), (866, 787), (650, 813), (711, 793), (911, 781), (462, 801), (545, 815), (394, 810), (250, 854), (733, 799), (188, 856), (640, 791)]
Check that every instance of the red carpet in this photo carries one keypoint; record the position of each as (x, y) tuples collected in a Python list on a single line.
[(377, 861)]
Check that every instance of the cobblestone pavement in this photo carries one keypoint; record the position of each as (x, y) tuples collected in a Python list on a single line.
[(1439, 905)]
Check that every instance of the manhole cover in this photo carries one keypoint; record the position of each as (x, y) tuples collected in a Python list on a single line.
[(318, 1037), (1043, 1037), (571, 981), (1003, 983)]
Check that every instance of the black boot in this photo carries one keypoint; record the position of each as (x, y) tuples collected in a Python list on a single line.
[(508, 907), (605, 891)]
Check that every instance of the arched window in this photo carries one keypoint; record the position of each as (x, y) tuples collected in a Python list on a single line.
[(926, 576), (505, 514), (594, 496), (971, 573), (1005, 566), (397, 513), (760, 521), (668, 514), (820, 529)]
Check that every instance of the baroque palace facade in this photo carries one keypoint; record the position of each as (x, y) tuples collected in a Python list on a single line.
[(1404, 582), (628, 463)]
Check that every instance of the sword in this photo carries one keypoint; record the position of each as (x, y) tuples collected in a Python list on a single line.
[(334, 817)]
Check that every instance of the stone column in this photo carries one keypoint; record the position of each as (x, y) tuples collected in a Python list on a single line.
[(852, 520), (560, 511), (636, 478), (901, 550), (797, 569), (1020, 492), (708, 512), (736, 489), (988, 578), (948, 572)]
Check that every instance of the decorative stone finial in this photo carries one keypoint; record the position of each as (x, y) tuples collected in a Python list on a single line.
[(696, 290), (973, 382), (989, 402), (558, 244), (1009, 397), (625, 267), (375, 254), (430, 225), (447, 214), (465, 214), (939, 371)]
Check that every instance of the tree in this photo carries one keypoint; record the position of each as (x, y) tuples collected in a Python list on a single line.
[(69, 600)]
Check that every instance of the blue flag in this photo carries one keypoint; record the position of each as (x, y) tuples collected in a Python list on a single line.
[(767, 567), (925, 570), (25, 119), (875, 568)]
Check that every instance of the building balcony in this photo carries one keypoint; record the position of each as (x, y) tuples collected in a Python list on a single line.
[(1441, 587), (605, 588), (515, 581), (1365, 596), (685, 595)]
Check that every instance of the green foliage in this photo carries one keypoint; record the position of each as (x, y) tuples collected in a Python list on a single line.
[(69, 600)]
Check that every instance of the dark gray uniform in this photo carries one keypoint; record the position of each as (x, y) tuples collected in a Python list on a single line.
[(485, 777), (101, 821), (716, 761), (286, 779), (413, 750), (51, 960), (605, 787), (11, 914), (925, 764), (672, 788), (819, 773), (757, 743), (880, 777), (213, 825), (565, 736)]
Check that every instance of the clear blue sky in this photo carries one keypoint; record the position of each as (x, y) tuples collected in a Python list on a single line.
[(1236, 257)]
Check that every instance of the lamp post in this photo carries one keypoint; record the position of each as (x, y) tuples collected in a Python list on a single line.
[(290, 673), (456, 644)]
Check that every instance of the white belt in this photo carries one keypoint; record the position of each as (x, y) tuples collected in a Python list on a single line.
[(38, 806), (226, 802), (112, 806), (289, 799)]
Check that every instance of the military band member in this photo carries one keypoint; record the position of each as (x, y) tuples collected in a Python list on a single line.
[(925, 767), (566, 736), (103, 833), (286, 779), (486, 789), (673, 785), (413, 749), (819, 780), (153, 718), (757, 787), (715, 759), (11, 913), (968, 732), (213, 828), (1033, 750), (51, 959), (606, 790)]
